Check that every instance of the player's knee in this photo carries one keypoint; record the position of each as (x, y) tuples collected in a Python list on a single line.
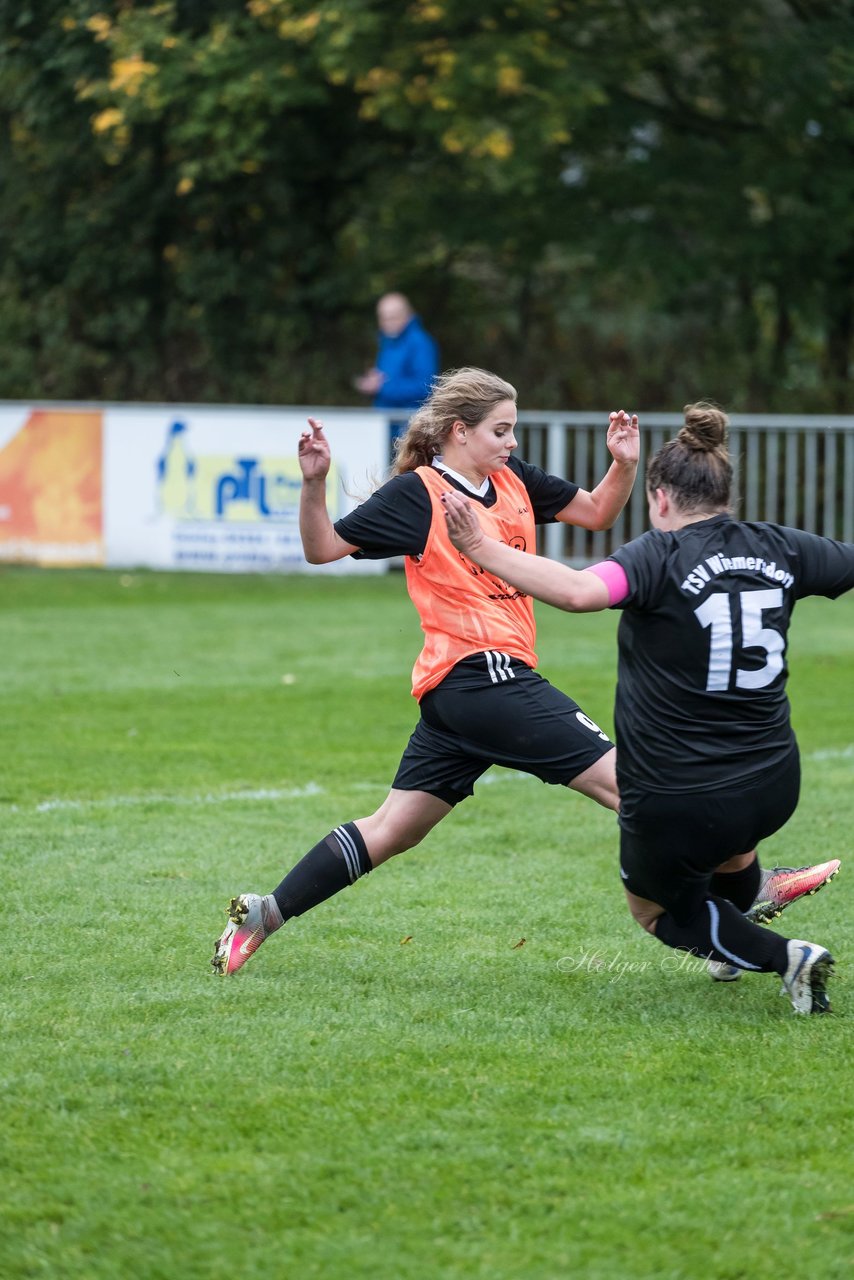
[(645, 920), (646, 914)]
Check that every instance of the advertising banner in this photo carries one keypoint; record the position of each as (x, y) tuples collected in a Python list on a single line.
[(51, 486), (218, 488)]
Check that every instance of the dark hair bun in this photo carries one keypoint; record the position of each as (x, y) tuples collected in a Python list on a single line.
[(705, 427)]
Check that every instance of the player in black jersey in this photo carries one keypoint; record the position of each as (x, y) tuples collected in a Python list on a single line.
[(707, 761)]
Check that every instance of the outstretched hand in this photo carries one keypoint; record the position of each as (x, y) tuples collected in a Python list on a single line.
[(313, 452), (463, 525), (623, 437)]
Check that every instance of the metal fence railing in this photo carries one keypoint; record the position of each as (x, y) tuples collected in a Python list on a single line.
[(790, 470)]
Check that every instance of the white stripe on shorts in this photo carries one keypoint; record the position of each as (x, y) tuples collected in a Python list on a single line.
[(499, 666)]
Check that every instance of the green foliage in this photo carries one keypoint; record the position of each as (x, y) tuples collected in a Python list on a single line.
[(471, 1064), (600, 198)]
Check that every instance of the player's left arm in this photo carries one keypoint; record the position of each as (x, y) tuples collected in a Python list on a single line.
[(826, 566), (556, 584), (598, 509)]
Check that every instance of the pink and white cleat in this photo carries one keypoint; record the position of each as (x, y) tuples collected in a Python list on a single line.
[(251, 919), (781, 886)]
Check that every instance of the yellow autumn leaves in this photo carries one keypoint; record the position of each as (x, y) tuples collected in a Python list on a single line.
[(429, 74), (127, 75)]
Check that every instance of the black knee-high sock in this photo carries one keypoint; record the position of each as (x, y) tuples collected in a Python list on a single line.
[(338, 860), (738, 887), (720, 932)]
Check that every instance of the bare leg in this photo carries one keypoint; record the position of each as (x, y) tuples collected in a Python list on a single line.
[(599, 782), (402, 821), (646, 913)]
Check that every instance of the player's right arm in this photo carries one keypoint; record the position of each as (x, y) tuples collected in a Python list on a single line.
[(556, 584), (320, 543)]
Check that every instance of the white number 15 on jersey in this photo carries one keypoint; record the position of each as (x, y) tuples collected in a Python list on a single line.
[(716, 612)]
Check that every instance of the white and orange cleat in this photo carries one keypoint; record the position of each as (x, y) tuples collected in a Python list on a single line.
[(781, 886), (251, 919)]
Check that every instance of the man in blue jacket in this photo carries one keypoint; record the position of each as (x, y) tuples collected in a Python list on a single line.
[(407, 358)]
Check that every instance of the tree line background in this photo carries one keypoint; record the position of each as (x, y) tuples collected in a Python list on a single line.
[(607, 201)]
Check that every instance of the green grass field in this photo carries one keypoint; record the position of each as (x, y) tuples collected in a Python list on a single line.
[(471, 1064)]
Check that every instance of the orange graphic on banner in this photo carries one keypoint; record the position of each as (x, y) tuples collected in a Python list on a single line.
[(50, 490)]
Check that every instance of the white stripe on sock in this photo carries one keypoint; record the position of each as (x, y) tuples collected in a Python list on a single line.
[(351, 854), (716, 940)]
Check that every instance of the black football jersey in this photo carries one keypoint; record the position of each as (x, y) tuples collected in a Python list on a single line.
[(701, 690), (395, 520)]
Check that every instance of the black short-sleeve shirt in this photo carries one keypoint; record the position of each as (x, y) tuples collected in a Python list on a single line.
[(701, 692), (395, 520)]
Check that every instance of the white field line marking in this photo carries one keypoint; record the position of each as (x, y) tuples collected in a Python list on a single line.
[(225, 797), (248, 796), (265, 794), (832, 753)]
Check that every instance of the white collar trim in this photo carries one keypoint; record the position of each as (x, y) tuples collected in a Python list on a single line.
[(481, 492)]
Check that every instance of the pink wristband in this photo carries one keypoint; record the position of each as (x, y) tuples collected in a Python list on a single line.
[(614, 577)]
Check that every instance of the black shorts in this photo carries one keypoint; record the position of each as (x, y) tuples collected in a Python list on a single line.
[(493, 709), (671, 844)]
